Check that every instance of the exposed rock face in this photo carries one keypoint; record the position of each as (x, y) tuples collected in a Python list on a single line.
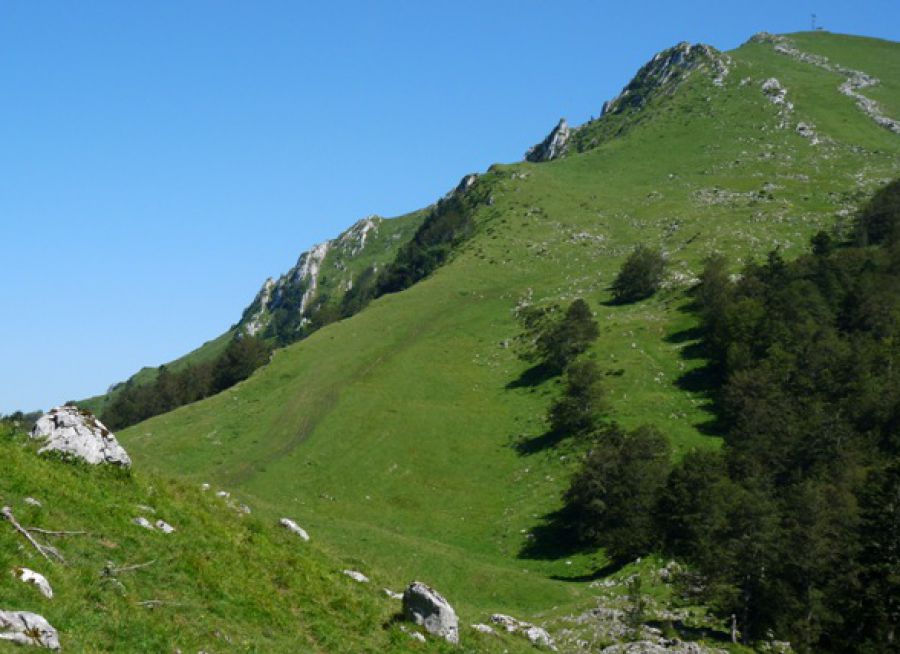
[(78, 434), (467, 182), (552, 147), (426, 607), (296, 290), (26, 628), (665, 72), (31, 577), (294, 528)]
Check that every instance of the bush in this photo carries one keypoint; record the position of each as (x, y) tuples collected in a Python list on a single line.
[(579, 409), (612, 499), (640, 276), (554, 339)]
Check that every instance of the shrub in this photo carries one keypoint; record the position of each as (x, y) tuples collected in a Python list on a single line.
[(640, 275)]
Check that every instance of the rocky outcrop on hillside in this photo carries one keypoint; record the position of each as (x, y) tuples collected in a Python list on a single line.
[(552, 147), (666, 71), (76, 433), (855, 81), (427, 607), (298, 288)]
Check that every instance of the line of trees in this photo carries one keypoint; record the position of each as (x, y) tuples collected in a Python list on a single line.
[(136, 402), (794, 526)]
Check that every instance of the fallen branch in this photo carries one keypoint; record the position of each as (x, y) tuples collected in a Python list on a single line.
[(110, 570), (48, 532), (45, 550)]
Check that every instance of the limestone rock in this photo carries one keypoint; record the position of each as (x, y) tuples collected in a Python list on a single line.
[(537, 635), (26, 628), (355, 575), (165, 527), (30, 501), (663, 74), (31, 577), (426, 607), (392, 594), (552, 147), (78, 434), (143, 522), (294, 528), (483, 628)]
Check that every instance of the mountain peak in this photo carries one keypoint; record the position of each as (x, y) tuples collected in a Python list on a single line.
[(665, 72)]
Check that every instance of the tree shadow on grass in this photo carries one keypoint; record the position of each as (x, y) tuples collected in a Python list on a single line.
[(705, 380), (554, 538), (534, 444), (534, 376)]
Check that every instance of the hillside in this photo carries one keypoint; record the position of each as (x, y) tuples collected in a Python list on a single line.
[(408, 436), (225, 580)]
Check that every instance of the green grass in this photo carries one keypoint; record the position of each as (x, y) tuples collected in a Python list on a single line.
[(226, 581), (392, 434)]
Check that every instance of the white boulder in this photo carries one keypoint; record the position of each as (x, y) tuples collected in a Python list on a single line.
[(294, 528), (31, 577), (30, 501), (165, 527), (78, 434), (426, 607), (143, 522), (26, 628)]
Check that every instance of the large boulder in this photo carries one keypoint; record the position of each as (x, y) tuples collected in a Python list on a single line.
[(26, 628), (76, 433), (426, 607)]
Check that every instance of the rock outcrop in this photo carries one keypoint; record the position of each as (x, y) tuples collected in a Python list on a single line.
[(856, 80), (26, 628), (31, 577), (537, 635), (425, 606), (552, 147), (665, 72), (76, 433)]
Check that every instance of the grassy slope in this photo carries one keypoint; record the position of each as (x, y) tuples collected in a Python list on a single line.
[(229, 581), (339, 266), (391, 434)]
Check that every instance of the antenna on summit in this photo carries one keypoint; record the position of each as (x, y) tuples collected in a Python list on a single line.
[(814, 22)]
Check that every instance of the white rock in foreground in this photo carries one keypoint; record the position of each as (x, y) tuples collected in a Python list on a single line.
[(143, 522), (426, 607), (30, 501), (78, 434), (165, 527), (537, 635), (392, 594), (294, 528), (357, 576), (26, 628), (36, 578)]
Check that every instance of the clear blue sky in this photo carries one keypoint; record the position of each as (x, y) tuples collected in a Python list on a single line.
[(158, 160)]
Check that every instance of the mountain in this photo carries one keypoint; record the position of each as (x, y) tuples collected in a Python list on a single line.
[(408, 436)]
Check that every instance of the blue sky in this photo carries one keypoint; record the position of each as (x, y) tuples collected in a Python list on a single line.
[(159, 160)]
